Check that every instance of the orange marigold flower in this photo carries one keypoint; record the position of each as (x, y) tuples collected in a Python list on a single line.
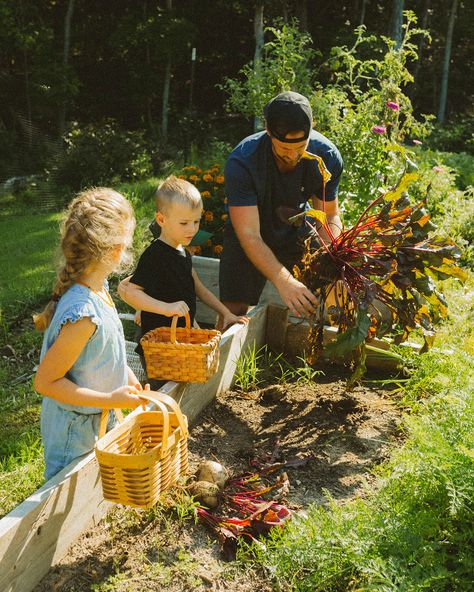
[(198, 171), (224, 217), (189, 168), (225, 200), (218, 249), (197, 250), (194, 178), (207, 178), (208, 243), (220, 179), (205, 194), (208, 216), (182, 177)]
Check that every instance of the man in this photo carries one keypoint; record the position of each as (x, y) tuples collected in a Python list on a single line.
[(268, 179)]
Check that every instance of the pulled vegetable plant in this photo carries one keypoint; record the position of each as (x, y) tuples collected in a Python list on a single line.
[(245, 513), (388, 261)]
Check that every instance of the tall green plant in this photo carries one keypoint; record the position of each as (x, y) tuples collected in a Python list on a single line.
[(366, 113), (287, 64)]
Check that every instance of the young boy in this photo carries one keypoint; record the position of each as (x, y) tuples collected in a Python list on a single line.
[(164, 283)]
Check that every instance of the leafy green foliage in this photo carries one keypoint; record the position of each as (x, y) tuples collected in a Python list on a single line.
[(389, 256), (285, 65), (364, 110), (455, 136), (100, 155), (414, 530)]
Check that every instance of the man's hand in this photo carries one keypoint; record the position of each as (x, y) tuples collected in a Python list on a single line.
[(296, 296)]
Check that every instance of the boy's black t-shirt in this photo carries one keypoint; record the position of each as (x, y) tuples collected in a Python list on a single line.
[(165, 273)]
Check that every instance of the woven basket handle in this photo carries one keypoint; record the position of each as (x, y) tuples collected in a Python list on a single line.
[(157, 398), (104, 420), (174, 322)]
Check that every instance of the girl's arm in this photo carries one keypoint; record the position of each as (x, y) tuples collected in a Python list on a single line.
[(134, 295), (132, 379), (213, 302), (51, 381)]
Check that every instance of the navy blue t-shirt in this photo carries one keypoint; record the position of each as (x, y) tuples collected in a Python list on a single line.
[(252, 178)]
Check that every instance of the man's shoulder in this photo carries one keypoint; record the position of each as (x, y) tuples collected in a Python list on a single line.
[(322, 146), (319, 142), (249, 146)]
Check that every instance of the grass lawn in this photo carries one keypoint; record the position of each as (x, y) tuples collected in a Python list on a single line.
[(27, 271)]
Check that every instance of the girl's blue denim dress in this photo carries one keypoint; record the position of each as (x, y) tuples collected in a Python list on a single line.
[(70, 431)]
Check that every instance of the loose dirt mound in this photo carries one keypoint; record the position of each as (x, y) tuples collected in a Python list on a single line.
[(342, 434)]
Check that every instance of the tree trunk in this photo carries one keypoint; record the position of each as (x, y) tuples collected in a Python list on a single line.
[(26, 73), (66, 52), (424, 25), (396, 30), (259, 39), (149, 96), (165, 101), (362, 11), (166, 88), (447, 58), (302, 14)]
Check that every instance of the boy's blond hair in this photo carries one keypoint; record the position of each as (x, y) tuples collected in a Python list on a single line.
[(174, 190)]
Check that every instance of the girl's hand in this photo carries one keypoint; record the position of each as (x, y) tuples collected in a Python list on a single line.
[(126, 397), (229, 319), (179, 308)]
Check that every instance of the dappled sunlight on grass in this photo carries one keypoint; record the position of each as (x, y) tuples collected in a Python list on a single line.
[(26, 259)]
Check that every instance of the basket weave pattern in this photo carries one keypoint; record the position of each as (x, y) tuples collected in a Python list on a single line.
[(183, 354), (145, 454)]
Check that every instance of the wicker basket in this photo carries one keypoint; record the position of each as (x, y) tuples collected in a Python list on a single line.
[(145, 454), (183, 354)]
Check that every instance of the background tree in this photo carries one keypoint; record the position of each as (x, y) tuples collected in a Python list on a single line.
[(446, 62)]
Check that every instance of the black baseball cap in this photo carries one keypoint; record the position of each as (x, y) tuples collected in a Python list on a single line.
[(288, 112)]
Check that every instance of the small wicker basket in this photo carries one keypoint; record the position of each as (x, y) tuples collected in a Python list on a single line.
[(144, 454), (183, 354)]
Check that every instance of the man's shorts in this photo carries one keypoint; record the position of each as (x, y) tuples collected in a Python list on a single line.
[(239, 280)]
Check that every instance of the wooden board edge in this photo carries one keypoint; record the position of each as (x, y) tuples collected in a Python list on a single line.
[(37, 534)]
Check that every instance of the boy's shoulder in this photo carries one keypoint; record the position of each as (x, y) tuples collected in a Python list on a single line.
[(157, 248)]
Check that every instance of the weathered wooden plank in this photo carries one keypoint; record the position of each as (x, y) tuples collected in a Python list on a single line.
[(38, 533), (277, 324), (193, 398), (297, 341)]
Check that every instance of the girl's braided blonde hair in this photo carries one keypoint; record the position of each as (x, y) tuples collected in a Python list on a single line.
[(96, 221)]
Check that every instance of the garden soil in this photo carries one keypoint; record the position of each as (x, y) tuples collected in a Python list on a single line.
[(340, 435)]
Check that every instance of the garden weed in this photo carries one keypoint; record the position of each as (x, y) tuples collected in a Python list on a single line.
[(248, 368)]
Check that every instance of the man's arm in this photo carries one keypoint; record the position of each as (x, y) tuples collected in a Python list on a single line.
[(333, 218), (246, 223)]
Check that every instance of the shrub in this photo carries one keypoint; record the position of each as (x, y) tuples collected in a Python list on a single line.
[(210, 183), (455, 136), (97, 155)]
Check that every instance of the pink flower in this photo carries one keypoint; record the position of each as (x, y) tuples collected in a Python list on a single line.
[(379, 129), (438, 169), (417, 142), (393, 106)]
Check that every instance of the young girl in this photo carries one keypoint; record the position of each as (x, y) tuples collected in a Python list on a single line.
[(83, 367)]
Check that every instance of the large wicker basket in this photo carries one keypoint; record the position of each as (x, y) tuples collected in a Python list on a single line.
[(145, 454), (183, 354)]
